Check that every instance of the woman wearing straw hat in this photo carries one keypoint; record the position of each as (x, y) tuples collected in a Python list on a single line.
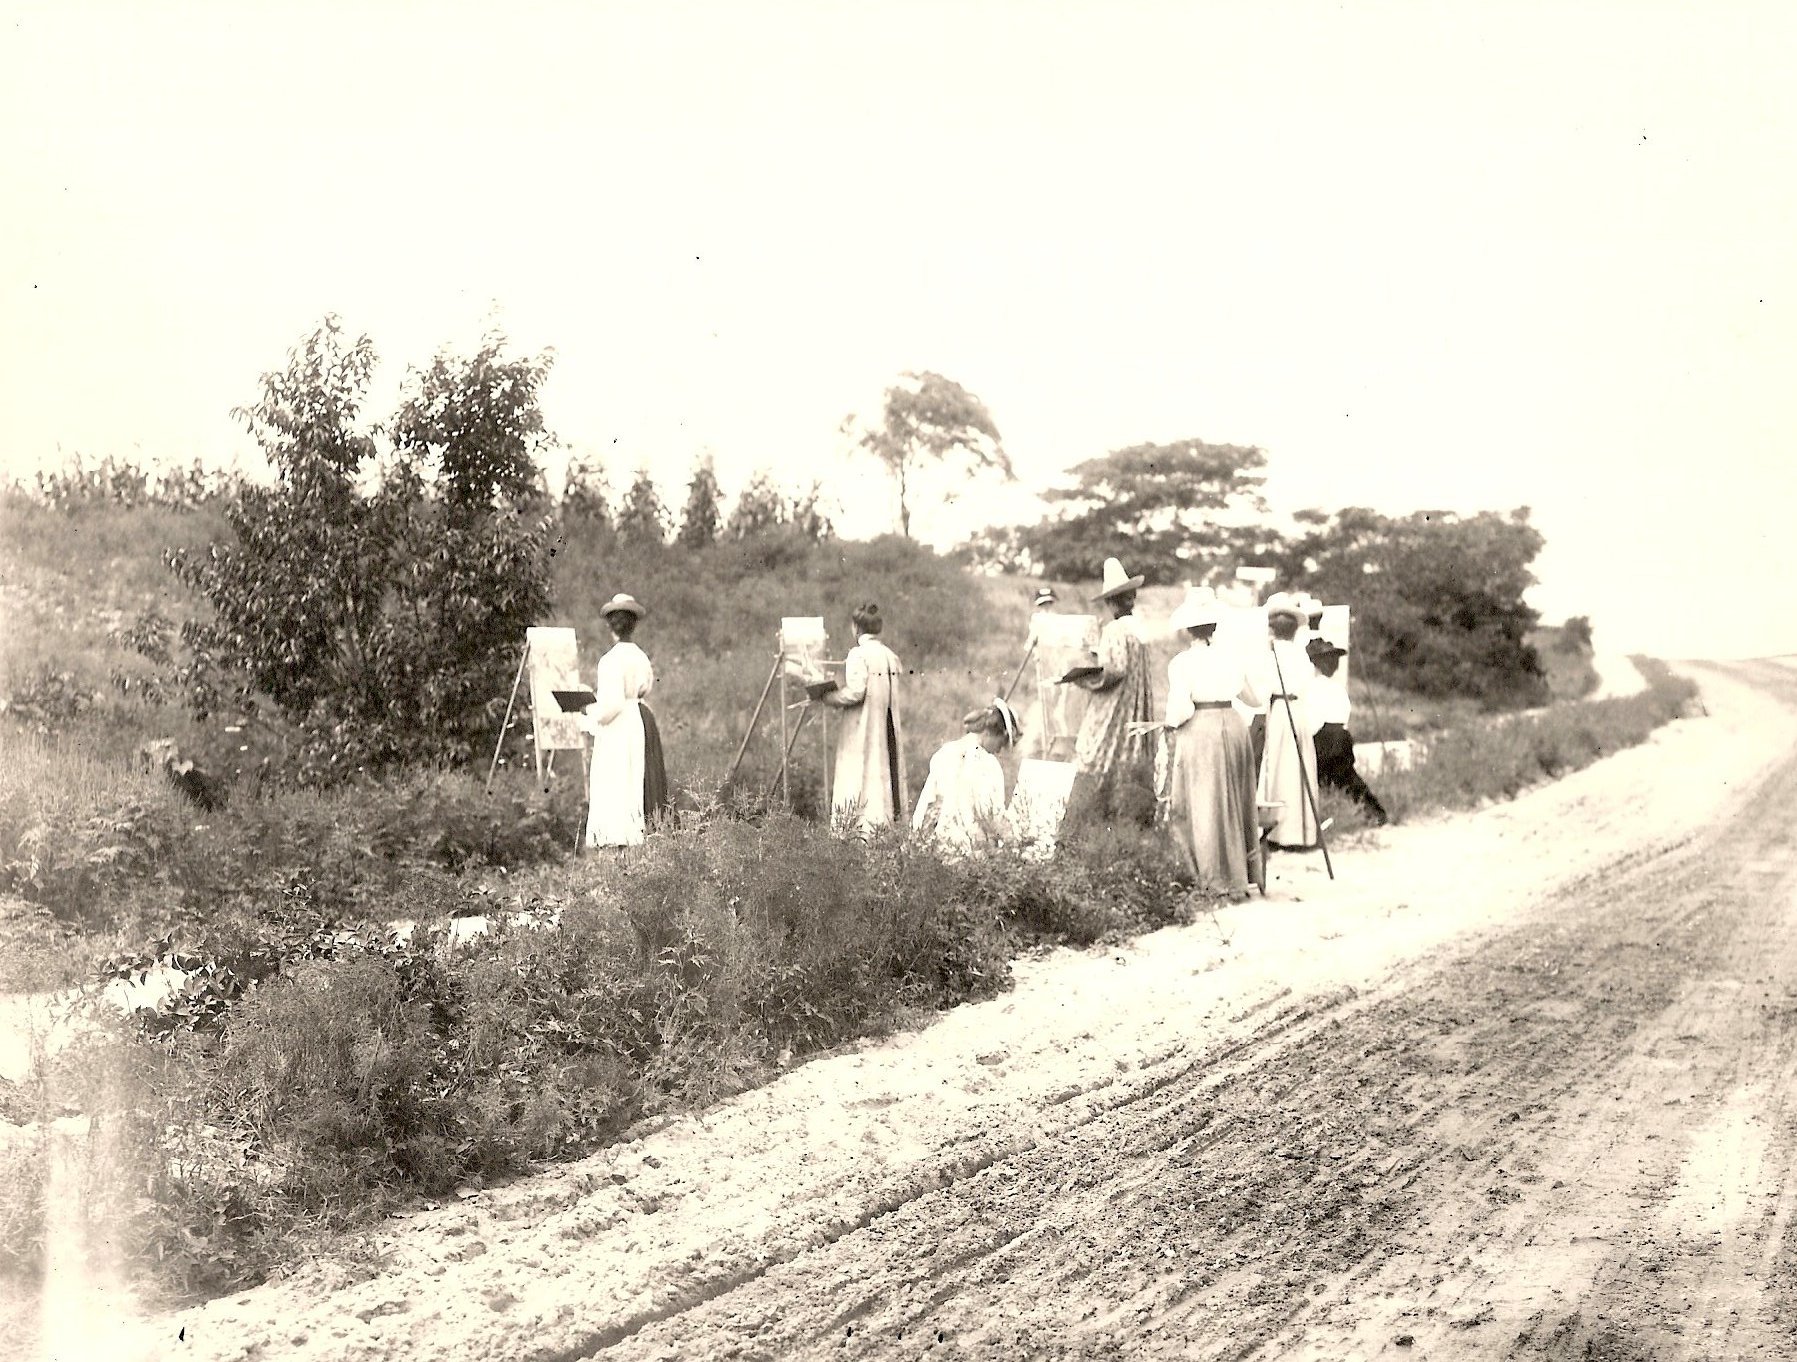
[(962, 803), (1107, 750), (1288, 764), (627, 785), (1211, 780)]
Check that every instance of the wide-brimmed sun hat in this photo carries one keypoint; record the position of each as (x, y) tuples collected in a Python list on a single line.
[(1286, 603), (630, 605), (1322, 647), (1312, 606), (1199, 607), (1116, 580)]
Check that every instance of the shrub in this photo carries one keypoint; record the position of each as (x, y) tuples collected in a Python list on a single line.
[(1498, 758), (383, 623)]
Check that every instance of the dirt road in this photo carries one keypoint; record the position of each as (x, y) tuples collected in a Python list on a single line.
[(1520, 1090)]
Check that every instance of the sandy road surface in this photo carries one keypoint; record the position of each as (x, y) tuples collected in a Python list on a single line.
[(1513, 1085)]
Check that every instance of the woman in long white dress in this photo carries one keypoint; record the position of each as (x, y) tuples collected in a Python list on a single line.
[(962, 805), (1288, 765), (1210, 809), (627, 769)]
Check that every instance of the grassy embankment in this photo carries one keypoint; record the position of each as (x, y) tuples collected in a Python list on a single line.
[(358, 1073)]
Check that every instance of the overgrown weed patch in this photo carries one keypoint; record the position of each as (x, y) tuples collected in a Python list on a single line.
[(1500, 757)]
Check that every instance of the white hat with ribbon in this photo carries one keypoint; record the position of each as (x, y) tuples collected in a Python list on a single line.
[(1199, 607)]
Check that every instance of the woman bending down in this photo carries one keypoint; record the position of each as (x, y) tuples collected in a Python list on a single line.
[(963, 801)]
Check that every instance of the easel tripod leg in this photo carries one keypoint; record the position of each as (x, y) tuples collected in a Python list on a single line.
[(507, 721)]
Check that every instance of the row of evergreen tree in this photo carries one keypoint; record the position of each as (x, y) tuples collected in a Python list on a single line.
[(640, 518)]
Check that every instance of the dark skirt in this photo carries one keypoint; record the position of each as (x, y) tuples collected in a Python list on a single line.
[(658, 803)]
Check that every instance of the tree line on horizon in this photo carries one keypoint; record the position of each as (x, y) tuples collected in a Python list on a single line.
[(376, 590)]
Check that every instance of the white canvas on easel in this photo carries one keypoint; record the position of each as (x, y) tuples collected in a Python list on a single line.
[(801, 655), (805, 659), (554, 664), (1059, 643), (804, 647), (1038, 803)]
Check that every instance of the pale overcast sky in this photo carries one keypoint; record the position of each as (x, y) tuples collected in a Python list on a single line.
[(1426, 255)]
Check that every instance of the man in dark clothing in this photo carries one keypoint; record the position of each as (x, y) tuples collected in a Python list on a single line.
[(1334, 743)]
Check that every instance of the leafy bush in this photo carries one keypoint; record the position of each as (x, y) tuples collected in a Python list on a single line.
[(316, 1070), (100, 846), (382, 623), (1438, 598), (48, 702)]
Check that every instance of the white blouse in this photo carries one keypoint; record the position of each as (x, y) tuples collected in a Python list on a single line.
[(624, 675), (1206, 675), (965, 793), (1293, 675), (1328, 700)]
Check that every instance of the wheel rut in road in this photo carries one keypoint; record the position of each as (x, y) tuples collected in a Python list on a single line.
[(1541, 1146)]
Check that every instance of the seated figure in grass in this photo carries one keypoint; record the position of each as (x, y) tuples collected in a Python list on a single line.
[(962, 806)]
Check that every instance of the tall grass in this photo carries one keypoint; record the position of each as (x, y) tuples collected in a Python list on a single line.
[(361, 1071), (1498, 758)]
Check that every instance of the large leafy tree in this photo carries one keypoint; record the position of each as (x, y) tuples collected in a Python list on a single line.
[(381, 608), (1178, 511), (1437, 597), (925, 420)]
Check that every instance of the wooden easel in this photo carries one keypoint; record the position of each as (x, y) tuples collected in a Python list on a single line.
[(506, 723), (545, 769), (789, 730)]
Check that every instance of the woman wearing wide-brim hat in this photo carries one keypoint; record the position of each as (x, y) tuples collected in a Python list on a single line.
[(1210, 780), (627, 784), (1108, 753)]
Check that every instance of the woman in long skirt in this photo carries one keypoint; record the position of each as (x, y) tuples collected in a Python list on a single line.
[(627, 785), (1211, 778), (868, 791)]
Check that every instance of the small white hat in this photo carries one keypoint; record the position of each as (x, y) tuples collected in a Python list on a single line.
[(1286, 603), (1199, 607), (1045, 595), (1116, 580)]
